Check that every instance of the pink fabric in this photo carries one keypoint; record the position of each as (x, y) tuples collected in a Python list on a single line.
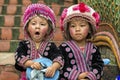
[(41, 10), (23, 76), (80, 10)]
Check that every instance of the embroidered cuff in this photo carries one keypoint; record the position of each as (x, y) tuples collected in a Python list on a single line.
[(91, 76), (74, 74), (23, 60), (60, 61)]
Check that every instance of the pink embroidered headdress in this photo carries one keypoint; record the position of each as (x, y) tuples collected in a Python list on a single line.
[(41, 10), (80, 10)]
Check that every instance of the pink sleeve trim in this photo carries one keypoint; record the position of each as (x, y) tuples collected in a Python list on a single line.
[(92, 76), (74, 74), (60, 61)]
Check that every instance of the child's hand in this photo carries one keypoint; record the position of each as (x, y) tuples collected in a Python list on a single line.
[(36, 65), (50, 72), (82, 76), (52, 69)]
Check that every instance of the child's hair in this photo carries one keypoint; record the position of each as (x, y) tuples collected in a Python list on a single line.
[(79, 10), (42, 11)]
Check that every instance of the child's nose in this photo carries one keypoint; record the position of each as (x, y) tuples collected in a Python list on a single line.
[(37, 26), (77, 28)]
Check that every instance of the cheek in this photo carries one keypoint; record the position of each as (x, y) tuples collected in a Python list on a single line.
[(44, 30), (71, 31), (85, 31), (30, 29)]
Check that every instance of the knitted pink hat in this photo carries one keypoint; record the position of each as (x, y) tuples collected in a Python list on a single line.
[(80, 10), (41, 10)]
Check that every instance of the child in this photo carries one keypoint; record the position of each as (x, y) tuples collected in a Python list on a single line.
[(39, 24), (82, 59)]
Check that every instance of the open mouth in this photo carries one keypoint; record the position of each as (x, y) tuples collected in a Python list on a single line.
[(37, 33)]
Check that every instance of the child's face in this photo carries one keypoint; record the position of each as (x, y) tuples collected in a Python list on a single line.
[(78, 29), (37, 28)]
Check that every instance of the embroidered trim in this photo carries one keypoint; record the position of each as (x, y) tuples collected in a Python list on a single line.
[(59, 60), (78, 56)]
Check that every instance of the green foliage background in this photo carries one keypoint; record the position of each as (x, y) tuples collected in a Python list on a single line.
[(109, 11)]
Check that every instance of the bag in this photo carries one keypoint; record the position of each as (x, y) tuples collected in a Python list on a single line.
[(33, 74)]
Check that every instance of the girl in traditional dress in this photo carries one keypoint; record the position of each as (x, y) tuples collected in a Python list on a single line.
[(39, 23), (82, 58)]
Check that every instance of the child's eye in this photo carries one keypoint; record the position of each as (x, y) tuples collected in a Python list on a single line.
[(82, 25), (72, 25), (43, 24), (33, 23)]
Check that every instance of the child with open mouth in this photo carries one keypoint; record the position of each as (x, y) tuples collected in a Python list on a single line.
[(39, 23)]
